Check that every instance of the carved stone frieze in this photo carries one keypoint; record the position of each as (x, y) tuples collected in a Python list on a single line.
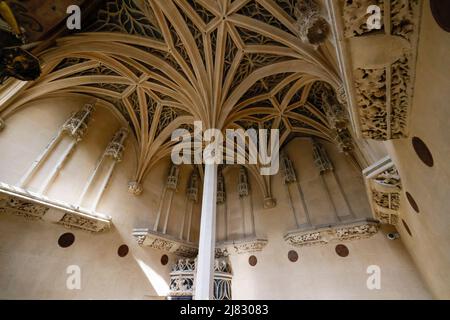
[(164, 242), (240, 246), (76, 221), (321, 235), (20, 202)]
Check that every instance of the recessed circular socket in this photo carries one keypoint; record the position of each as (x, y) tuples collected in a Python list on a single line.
[(342, 250), (407, 228), (422, 151), (123, 251), (293, 256), (412, 202), (252, 261), (66, 240), (441, 13), (164, 260)]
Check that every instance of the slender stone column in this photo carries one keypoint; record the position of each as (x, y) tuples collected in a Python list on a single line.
[(205, 263)]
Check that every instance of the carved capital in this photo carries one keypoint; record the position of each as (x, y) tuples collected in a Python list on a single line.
[(76, 126), (135, 188)]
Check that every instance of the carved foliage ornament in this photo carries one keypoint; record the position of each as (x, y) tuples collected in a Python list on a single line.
[(384, 78)]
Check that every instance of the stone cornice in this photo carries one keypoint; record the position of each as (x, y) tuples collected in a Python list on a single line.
[(21, 202), (324, 234)]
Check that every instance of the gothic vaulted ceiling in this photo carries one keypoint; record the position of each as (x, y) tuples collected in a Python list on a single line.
[(162, 64)]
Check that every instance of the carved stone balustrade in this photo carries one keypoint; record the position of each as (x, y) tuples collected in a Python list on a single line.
[(384, 185), (165, 242), (23, 203), (324, 234)]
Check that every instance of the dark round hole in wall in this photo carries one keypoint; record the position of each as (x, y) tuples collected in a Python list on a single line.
[(66, 240), (293, 256), (164, 260), (407, 227), (422, 151), (441, 13), (412, 202), (252, 261), (123, 251), (342, 250)]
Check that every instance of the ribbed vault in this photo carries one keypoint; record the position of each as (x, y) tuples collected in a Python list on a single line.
[(164, 64)]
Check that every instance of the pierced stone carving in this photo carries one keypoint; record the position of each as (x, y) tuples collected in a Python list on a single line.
[(322, 235), (243, 187), (384, 186), (135, 188), (164, 242), (182, 279), (312, 27), (243, 246), (77, 125), (71, 220), (221, 195), (321, 159), (288, 169), (172, 179), (192, 191), (116, 146)]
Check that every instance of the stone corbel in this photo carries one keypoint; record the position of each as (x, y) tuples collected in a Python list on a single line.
[(383, 186), (164, 242), (321, 235)]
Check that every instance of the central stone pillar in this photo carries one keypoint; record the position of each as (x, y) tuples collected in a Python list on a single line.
[(206, 253)]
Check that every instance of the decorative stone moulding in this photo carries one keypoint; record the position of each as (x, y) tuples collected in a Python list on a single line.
[(382, 64), (182, 279), (240, 246), (20, 202), (384, 185), (164, 242), (324, 234)]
